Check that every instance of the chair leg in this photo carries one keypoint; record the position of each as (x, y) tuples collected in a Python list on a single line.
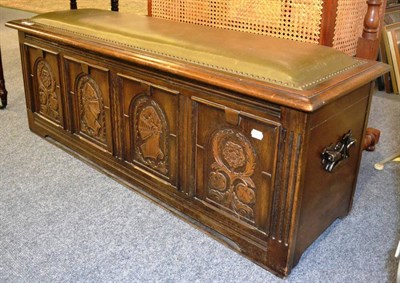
[(397, 255), (371, 139), (73, 5), (3, 91), (114, 5), (381, 164)]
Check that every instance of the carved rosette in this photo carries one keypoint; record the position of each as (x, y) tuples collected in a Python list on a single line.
[(48, 97), (229, 178), (150, 134), (91, 111)]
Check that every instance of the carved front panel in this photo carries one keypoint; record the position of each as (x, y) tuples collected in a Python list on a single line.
[(89, 92), (150, 131), (229, 177), (48, 97), (235, 161), (91, 114), (44, 74), (150, 123)]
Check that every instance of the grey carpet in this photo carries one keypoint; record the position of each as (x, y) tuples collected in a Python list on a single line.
[(63, 221)]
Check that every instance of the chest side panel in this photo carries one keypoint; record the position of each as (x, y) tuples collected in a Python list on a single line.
[(328, 195)]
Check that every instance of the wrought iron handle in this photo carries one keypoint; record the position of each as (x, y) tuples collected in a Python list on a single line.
[(332, 155)]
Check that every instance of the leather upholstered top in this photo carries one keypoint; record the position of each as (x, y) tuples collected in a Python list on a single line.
[(287, 63)]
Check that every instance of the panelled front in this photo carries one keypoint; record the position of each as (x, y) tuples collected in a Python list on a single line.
[(138, 121), (150, 128), (235, 163), (87, 86), (46, 100)]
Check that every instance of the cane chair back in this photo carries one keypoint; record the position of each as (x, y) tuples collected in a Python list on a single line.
[(337, 23)]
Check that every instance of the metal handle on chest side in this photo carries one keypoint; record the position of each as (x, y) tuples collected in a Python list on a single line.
[(333, 155)]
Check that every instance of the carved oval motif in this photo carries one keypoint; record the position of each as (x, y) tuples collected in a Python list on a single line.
[(217, 181), (150, 129), (149, 123), (45, 75), (234, 154), (245, 194), (232, 149), (150, 134), (92, 118), (243, 209)]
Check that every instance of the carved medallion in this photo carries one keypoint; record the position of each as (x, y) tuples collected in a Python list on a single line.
[(229, 178), (48, 97), (150, 134), (92, 118), (218, 181), (234, 155)]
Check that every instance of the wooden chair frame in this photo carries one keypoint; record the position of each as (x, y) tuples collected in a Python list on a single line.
[(114, 5)]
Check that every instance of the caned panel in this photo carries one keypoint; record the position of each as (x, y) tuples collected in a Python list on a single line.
[(291, 19), (349, 25)]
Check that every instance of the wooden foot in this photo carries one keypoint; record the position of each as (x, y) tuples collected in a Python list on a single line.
[(371, 139)]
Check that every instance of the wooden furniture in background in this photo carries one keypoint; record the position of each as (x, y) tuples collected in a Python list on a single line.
[(391, 43), (352, 27), (335, 23), (3, 91), (388, 47), (368, 44), (255, 137), (371, 138)]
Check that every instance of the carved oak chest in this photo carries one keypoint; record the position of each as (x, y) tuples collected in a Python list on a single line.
[(257, 139)]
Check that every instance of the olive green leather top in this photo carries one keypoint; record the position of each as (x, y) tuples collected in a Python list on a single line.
[(288, 63)]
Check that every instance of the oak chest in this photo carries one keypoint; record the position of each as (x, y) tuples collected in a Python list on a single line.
[(256, 139)]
